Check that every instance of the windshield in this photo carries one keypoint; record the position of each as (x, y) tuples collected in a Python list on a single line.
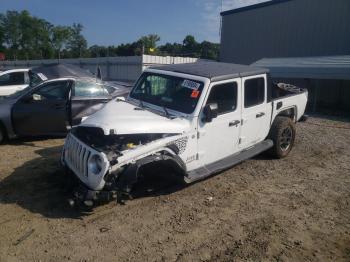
[(175, 93), (34, 79), (88, 88)]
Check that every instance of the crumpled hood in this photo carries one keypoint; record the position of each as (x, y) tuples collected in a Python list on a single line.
[(122, 118)]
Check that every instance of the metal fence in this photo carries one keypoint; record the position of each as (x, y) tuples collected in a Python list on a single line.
[(113, 68)]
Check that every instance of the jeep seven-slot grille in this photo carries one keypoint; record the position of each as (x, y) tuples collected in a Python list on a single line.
[(77, 155)]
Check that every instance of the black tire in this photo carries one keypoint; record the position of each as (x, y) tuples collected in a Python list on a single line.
[(282, 134)]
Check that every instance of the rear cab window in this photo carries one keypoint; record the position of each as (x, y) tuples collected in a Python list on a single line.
[(254, 92)]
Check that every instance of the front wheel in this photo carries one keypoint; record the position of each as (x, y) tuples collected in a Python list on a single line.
[(282, 134)]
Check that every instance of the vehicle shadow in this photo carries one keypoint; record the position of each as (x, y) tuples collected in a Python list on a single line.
[(39, 185), (29, 141), (332, 115), (157, 182)]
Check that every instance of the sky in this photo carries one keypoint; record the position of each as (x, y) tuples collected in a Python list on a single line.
[(112, 22)]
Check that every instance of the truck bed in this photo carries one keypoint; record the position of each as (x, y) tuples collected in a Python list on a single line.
[(285, 97)]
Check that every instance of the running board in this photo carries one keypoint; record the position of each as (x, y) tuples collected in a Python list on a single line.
[(216, 167)]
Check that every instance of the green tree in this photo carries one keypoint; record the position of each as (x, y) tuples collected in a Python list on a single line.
[(60, 37), (174, 49), (25, 36), (209, 50), (77, 43), (190, 46), (99, 51), (12, 34), (148, 42), (40, 35)]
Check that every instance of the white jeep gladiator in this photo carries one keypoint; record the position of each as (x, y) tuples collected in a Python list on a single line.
[(197, 119)]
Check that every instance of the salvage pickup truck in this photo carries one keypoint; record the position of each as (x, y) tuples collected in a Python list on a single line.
[(196, 119)]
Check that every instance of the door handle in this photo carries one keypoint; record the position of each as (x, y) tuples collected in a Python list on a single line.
[(261, 114), (234, 123)]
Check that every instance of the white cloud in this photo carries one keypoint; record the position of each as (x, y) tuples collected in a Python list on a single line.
[(211, 14)]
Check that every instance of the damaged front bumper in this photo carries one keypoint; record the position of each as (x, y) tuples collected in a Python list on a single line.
[(118, 186), (81, 195), (112, 181)]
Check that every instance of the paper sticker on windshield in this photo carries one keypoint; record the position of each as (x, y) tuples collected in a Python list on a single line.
[(190, 84), (42, 76)]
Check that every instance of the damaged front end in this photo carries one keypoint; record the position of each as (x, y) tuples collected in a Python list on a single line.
[(108, 166)]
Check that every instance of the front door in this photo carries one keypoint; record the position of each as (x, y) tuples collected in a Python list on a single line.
[(219, 138), (43, 111), (256, 113)]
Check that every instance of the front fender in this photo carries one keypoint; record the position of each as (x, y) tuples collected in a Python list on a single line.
[(161, 145)]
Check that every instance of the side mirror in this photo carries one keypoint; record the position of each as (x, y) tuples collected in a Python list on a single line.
[(37, 97), (210, 112)]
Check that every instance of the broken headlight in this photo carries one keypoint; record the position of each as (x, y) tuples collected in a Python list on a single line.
[(95, 164)]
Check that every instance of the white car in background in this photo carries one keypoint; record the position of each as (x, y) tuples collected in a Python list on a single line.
[(13, 80)]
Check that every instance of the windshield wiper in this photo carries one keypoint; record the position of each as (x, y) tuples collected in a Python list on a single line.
[(166, 112)]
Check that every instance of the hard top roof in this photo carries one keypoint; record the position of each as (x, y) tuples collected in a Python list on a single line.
[(62, 71), (215, 71)]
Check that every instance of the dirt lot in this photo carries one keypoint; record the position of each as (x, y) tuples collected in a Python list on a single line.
[(294, 209)]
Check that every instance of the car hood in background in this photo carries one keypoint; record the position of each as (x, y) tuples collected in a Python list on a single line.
[(125, 118), (121, 88), (48, 72)]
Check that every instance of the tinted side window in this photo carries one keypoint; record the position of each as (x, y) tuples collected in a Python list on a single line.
[(89, 89), (225, 95), (12, 79), (254, 92), (52, 91)]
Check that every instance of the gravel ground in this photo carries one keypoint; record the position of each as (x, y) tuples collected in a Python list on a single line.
[(295, 209)]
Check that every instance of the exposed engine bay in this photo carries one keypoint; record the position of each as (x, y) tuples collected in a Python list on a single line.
[(113, 145)]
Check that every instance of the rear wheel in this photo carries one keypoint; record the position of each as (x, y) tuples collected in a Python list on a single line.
[(282, 134)]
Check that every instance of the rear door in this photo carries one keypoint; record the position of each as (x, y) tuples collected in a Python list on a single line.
[(255, 111), (44, 111), (87, 98), (12, 82)]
